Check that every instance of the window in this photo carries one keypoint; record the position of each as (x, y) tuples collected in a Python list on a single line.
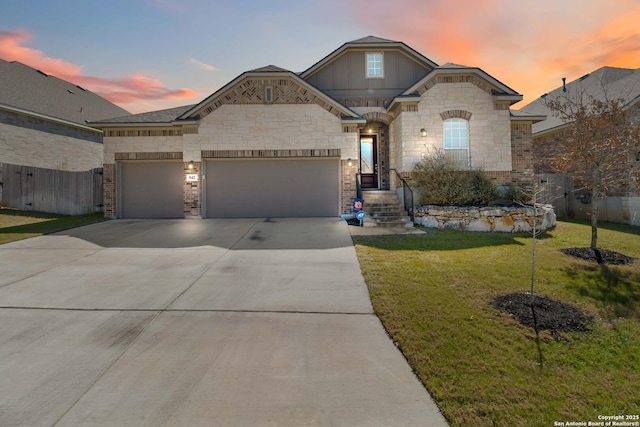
[(375, 65), (456, 142)]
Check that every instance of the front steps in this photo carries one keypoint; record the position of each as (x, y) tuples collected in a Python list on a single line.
[(383, 209)]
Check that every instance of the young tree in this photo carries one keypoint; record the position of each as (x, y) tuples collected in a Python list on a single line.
[(598, 148)]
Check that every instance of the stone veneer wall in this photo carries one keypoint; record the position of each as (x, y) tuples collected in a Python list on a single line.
[(489, 127), (29, 141), (487, 219)]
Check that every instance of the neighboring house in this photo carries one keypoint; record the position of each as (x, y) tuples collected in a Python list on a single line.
[(274, 143), (605, 83), (43, 125)]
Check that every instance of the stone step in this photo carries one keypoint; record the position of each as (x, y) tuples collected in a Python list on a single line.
[(391, 222), (383, 209), (382, 214), (386, 199)]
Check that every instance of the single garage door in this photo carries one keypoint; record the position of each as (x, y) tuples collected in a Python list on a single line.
[(151, 190), (272, 188)]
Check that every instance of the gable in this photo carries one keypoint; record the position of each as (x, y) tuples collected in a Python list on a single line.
[(343, 73), (474, 76), (266, 87)]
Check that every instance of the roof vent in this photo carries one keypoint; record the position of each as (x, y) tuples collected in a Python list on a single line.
[(585, 76), (564, 84), (70, 91), (43, 73), (544, 95), (268, 94), (81, 88)]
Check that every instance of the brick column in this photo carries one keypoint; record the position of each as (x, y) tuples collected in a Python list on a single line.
[(348, 192), (192, 191), (521, 153), (109, 189)]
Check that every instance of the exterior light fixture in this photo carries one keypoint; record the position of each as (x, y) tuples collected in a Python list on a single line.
[(349, 162), (190, 164), (423, 132), (370, 130)]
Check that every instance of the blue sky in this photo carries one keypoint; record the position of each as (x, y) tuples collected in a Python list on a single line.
[(151, 54)]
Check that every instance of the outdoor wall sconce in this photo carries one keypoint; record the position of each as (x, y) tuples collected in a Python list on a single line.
[(190, 164), (423, 132), (349, 162)]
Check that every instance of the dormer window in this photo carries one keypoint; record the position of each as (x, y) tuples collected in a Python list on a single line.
[(375, 65)]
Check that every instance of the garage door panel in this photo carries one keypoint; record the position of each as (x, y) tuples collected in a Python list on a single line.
[(272, 188), (151, 190)]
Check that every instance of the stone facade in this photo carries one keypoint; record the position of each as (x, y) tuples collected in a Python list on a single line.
[(31, 141), (271, 127), (271, 112), (489, 129), (239, 131), (486, 219)]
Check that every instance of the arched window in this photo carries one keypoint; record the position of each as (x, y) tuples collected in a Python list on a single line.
[(456, 142)]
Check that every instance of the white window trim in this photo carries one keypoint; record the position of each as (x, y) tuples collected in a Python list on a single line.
[(366, 65)]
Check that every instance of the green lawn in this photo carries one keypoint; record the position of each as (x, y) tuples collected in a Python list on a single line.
[(18, 225), (433, 294)]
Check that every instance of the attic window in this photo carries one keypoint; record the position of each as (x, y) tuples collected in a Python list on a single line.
[(375, 65), (268, 94)]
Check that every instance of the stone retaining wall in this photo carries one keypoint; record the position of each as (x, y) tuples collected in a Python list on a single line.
[(515, 219)]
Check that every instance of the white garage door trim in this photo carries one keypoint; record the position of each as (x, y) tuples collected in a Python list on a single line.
[(274, 188), (150, 189)]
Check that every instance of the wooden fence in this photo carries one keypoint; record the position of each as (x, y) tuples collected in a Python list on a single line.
[(48, 190)]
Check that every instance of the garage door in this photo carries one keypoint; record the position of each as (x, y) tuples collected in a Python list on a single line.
[(272, 188), (151, 190)]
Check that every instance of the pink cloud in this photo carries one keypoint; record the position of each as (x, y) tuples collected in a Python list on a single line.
[(527, 46), (124, 90), (201, 65)]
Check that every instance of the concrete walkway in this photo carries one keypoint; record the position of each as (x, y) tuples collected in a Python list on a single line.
[(198, 323)]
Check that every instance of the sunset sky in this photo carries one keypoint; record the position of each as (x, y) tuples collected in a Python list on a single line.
[(147, 55)]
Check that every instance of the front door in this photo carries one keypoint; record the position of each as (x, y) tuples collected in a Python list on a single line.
[(368, 161)]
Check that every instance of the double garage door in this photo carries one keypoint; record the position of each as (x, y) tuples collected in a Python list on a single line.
[(234, 188)]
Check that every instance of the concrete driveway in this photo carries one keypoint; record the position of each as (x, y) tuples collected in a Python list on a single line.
[(197, 323)]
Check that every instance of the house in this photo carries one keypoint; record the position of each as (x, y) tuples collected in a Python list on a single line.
[(623, 205), (43, 125), (275, 143)]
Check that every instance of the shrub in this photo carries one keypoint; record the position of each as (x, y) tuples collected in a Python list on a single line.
[(440, 183)]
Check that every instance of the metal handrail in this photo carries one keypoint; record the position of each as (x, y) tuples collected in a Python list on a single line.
[(409, 207)]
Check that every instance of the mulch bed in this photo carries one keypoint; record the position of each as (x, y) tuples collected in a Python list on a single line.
[(552, 315), (601, 256)]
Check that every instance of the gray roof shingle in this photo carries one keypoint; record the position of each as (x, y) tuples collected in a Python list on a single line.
[(371, 39), (29, 89), (605, 82), (269, 69), (160, 116)]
